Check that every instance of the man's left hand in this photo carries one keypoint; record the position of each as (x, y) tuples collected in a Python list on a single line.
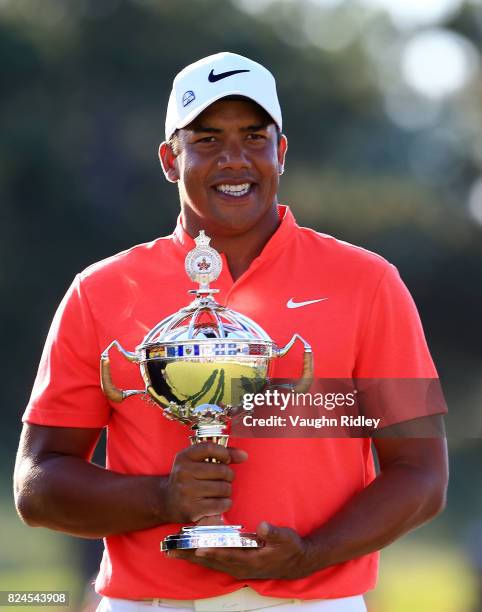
[(283, 556)]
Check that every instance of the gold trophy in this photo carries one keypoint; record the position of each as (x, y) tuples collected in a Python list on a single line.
[(196, 364)]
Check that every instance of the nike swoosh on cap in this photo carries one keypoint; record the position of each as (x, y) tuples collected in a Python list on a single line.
[(212, 78), (292, 304)]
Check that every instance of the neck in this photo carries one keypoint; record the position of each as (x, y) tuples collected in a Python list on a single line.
[(239, 249)]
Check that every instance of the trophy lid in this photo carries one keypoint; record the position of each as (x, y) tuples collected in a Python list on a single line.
[(206, 320)]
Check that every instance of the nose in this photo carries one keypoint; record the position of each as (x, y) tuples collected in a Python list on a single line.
[(233, 156)]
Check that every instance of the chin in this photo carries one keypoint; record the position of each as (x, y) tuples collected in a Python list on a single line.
[(240, 221), (218, 217), (230, 227)]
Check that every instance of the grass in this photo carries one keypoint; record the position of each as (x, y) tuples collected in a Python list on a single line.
[(421, 576), (417, 575), (36, 559)]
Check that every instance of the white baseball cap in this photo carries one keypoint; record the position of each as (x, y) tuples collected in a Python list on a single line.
[(217, 76)]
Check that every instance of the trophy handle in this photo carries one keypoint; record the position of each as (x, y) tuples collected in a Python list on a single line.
[(304, 383), (108, 387)]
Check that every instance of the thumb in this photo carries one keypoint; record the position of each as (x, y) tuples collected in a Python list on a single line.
[(269, 533), (237, 455)]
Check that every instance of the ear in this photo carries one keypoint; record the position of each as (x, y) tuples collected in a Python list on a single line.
[(282, 149), (168, 162)]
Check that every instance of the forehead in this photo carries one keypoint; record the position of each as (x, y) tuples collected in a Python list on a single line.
[(235, 112)]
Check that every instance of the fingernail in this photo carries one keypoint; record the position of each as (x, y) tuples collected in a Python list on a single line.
[(264, 528)]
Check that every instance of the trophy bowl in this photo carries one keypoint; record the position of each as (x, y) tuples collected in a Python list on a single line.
[(196, 365), (194, 357)]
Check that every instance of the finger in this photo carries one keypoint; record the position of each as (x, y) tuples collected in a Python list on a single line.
[(263, 530), (212, 488), (231, 561), (208, 450), (188, 555), (237, 455), (226, 555), (270, 533), (212, 471), (193, 557), (211, 507)]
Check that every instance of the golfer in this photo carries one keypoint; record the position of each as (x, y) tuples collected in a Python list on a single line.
[(321, 509)]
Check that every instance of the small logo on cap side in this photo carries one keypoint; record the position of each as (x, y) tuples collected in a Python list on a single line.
[(188, 97), (212, 78)]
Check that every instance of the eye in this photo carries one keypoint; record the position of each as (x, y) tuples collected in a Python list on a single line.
[(206, 139), (255, 136)]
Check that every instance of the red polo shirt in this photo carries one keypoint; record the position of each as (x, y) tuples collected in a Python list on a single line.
[(367, 327)]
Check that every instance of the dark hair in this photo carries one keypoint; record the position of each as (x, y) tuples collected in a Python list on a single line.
[(174, 139)]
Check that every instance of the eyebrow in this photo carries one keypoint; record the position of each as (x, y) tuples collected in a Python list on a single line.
[(212, 130), (201, 128), (255, 128)]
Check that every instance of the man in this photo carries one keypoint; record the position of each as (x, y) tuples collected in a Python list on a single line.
[(317, 504)]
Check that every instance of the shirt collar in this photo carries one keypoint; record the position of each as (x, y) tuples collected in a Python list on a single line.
[(281, 236)]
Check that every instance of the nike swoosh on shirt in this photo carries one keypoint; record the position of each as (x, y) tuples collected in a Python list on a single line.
[(212, 78), (292, 304)]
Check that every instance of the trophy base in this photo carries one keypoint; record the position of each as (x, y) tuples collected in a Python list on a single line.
[(211, 536)]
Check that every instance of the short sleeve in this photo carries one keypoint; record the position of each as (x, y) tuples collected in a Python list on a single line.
[(394, 369), (67, 391), (393, 344)]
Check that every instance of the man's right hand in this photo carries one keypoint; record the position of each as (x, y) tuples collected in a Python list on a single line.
[(57, 487), (197, 488)]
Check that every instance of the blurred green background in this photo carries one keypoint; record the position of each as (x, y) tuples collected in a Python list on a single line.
[(382, 107)]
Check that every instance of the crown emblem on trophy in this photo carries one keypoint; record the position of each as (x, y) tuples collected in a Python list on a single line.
[(203, 264)]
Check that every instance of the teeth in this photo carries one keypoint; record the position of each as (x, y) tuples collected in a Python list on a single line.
[(234, 190)]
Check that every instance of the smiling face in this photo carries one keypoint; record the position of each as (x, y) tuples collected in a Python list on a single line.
[(227, 163)]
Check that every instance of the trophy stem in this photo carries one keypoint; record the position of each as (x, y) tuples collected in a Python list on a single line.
[(212, 432), (210, 531), (216, 519)]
